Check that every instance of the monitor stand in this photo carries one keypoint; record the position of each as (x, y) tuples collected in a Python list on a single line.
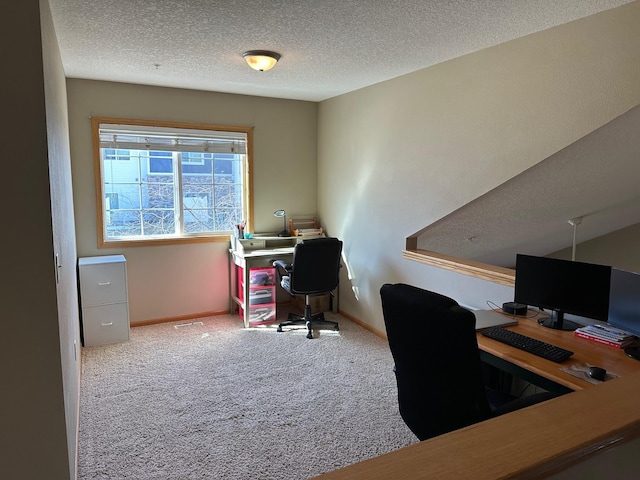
[(557, 322), (633, 352)]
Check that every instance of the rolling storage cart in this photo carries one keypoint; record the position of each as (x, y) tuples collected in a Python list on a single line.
[(261, 307)]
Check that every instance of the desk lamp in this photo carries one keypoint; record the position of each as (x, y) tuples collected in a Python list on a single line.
[(285, 230)]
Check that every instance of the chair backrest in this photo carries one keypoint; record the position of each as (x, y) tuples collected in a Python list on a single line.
[(315, 266), (437, 361)]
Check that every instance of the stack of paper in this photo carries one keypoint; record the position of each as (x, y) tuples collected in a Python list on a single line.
[(614, 337)]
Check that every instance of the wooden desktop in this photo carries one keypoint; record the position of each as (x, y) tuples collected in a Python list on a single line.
[(549, 374), (561, 435), (550, 439)]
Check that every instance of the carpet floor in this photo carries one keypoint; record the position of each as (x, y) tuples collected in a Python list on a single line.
[(209, 399)]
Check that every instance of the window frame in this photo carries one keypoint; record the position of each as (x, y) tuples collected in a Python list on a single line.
[(102, 240)]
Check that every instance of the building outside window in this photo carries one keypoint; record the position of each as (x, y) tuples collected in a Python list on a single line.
[(168, 182)]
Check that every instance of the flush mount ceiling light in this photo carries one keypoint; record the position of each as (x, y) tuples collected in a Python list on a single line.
[(261, 60)]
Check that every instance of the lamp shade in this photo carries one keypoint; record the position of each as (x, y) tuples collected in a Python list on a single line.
[(261, 60), (283, 214)]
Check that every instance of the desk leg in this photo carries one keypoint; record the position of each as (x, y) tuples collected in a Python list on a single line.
[(246, 284), (232, 277)]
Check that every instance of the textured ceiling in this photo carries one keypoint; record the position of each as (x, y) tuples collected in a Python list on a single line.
[(328, 47), (595, 179)]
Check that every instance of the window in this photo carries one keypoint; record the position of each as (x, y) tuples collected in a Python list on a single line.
[(162, 182)]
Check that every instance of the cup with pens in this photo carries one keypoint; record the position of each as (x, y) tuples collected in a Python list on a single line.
[(239, 229)]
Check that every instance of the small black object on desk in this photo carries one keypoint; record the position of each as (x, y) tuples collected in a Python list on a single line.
[(633, 352), (597, 373)]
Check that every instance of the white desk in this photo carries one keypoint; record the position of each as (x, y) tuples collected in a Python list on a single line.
[(257, 252), (248, 259)]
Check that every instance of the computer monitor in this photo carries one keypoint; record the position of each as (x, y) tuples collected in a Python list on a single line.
[(563, 286), (624, 304)]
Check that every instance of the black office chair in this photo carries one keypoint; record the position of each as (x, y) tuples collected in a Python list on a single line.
[(437, 363), (314, 270)]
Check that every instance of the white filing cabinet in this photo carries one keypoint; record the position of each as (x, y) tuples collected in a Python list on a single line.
[(103, 295)]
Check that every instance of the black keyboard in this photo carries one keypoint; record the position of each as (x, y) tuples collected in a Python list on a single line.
[(528, 344)]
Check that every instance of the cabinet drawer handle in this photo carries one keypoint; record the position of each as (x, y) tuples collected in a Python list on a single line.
[(106, 324), (102, 284)]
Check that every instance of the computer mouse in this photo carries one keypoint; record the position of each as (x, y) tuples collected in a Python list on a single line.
[(598, 373)]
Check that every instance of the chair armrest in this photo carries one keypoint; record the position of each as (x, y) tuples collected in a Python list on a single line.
[(283, 265), (283, 269)]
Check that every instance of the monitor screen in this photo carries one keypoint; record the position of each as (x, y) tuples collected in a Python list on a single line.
[(563, 286), (624, 301)]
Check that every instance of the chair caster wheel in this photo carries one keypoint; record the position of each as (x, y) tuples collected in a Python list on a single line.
[(279, 329), (309, 335)]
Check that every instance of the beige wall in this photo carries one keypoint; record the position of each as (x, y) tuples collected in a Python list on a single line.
[(39, 316), (620, 461), (171, 281), (612, 249), (64, 239), (402, 154)]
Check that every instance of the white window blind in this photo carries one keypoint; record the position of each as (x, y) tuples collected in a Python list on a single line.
[(132, 137)]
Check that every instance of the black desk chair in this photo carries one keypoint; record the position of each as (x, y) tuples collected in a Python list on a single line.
[(314, 270), (437, 363)]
